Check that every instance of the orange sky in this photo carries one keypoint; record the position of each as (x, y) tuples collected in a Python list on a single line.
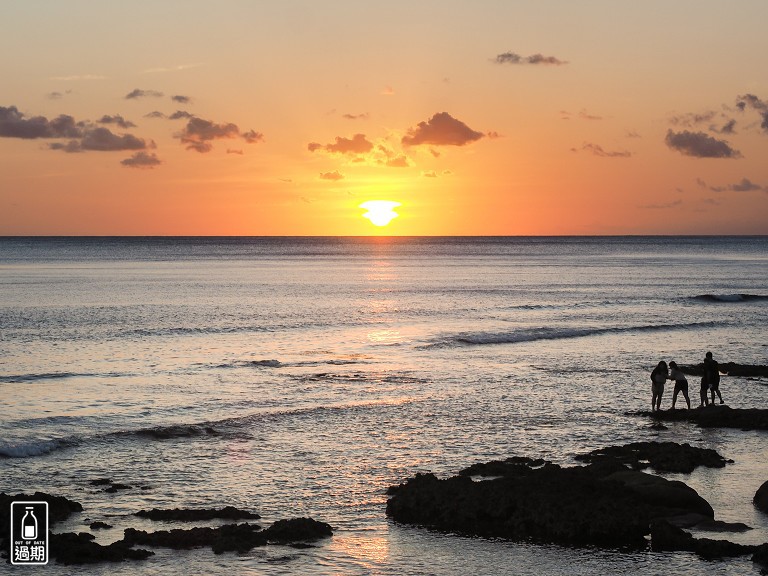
[(281, 118)]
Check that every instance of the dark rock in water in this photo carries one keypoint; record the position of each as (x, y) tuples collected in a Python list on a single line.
[(117, 486), (729, 368), (515, 465), (59, 508), (661, 456), (603, 504), (713, 416), (230, 537), (761, 556), (192, 514), (761, 498), (669, 538), (100, 482), (297, 529), (71, 548), (720, 526), (99, 526)]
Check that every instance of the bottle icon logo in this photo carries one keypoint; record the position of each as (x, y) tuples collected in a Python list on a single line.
[(29, 533), (29, 524)]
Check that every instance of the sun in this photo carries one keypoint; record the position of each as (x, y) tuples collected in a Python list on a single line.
[(380, 212)]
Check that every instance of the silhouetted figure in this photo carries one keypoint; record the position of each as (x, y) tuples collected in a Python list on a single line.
[(712, 373), (681, 384), (659, 376)]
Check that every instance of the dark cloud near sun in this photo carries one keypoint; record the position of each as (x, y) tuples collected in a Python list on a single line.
[(138, 93), (358, 144), (199, 134), (399, 161), (142, 160), (117, 120), (699, 145), (536, 59), (334, 176), (363, 116), (441, 130), (663, 206)]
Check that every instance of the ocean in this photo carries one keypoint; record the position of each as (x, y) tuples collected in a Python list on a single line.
[(304, 376)]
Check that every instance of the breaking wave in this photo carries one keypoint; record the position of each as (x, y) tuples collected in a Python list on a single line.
[(730, 297), (546, 333)]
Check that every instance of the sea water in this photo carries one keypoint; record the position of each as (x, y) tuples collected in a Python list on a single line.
[(303, 376)]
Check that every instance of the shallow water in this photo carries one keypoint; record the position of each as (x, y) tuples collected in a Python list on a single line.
[(304, 376)]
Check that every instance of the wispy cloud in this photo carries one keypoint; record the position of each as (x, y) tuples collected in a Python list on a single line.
[(139, 93), (752, 101), (597, 150), (441, 130), (78, 77), (662, 206), (699, 145), (363, 116), (334, 176), (745, 185), (117, 120), (514, 58), (161, 69), (181, 99)]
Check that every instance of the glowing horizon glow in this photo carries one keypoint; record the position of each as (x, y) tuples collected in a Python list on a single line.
[(380, 212)]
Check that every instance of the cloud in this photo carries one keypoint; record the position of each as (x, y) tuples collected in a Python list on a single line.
[(252, 137), (429, 174), (727, 128), (493, 135), (699, 145), (199, 133), (14, 124), (441, 130), (180, 114), (663, 206), (597, 150), (54, 95), (752, 101), (363, 116), (155, 114), (78, 77), (101, 140), (118, 120), (138, 93), (632, 134), (358, 144), (399, 161), (335, 175), (171, 68), (181, 99), (141, 160), (536, 59), (234, 151), (745, 185), (692, 119)]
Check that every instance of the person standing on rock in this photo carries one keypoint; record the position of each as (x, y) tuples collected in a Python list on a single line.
[(681, 384), (659, 376), (712, 374)]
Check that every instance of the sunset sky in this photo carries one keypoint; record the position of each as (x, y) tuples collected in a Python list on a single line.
[(478, 118)]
